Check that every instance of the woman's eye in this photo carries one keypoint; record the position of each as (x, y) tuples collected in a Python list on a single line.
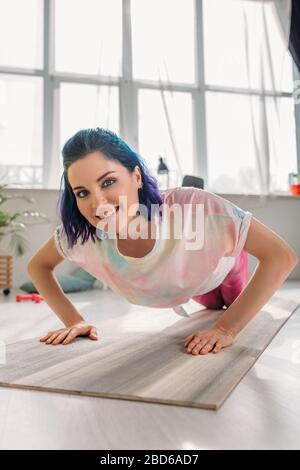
[(78, 194), (106, 181), (104, 185)]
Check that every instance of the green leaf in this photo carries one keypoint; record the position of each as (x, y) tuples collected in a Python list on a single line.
[(4, 218), (18, 244)]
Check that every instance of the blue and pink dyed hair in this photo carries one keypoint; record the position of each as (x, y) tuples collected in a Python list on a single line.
[(113, 147)]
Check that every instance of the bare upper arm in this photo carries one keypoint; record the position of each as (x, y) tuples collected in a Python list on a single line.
[(263, 243), (47, 255)]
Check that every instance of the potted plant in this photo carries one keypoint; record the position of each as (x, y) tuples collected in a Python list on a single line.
[(14, 226)]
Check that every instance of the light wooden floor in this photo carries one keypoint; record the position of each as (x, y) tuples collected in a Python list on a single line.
[(262, 412)]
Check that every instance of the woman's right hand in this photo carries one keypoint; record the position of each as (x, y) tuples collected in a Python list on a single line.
[(66, 335)]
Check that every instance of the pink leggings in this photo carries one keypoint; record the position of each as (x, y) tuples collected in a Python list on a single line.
[(231, 287)]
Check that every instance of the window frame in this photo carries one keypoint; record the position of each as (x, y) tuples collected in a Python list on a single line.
[(128, 93)]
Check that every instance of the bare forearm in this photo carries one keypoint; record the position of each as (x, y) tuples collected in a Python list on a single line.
[(266, 279), (48, 287)]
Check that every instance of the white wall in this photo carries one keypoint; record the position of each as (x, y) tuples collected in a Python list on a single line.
[(280, 213)]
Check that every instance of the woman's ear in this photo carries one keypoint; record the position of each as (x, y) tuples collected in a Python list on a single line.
[(138, 175)]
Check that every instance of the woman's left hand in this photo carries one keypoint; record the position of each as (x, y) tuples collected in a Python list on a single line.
[(204, 341)]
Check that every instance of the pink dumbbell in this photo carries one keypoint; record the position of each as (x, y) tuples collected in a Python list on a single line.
[(37, 298)]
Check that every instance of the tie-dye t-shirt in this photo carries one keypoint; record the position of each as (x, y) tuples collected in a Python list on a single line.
[(170, 274)]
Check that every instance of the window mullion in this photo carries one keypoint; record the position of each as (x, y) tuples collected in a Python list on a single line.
[(199, 114), (49, 124), (127, 90)]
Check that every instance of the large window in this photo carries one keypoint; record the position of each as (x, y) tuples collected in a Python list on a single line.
[(21, 33), (88, 36), (21, 95), (83, 106), (155, 72), (231, 152)]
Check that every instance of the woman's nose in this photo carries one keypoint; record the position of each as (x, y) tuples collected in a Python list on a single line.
[(97, 200)]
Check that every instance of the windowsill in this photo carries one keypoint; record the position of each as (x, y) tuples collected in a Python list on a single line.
[(285, 194), (270, 196)]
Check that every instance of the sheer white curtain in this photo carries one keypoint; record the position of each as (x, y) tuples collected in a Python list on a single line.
[(266, 26), (161, 35), (82, 87), (163, 55), (168, 107), (266, 35)]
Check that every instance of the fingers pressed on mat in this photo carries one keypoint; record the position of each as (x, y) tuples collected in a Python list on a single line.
[(52, 337), (60, 337)]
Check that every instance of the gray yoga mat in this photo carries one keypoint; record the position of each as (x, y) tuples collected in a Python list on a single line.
[(144, 365)]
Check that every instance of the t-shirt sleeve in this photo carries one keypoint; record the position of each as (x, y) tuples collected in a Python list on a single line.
[(241, 223), (236, 223), (226, 224), (61, 242), (80, 253)]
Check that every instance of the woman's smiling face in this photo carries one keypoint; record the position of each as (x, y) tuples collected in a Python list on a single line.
[(98, 181)]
